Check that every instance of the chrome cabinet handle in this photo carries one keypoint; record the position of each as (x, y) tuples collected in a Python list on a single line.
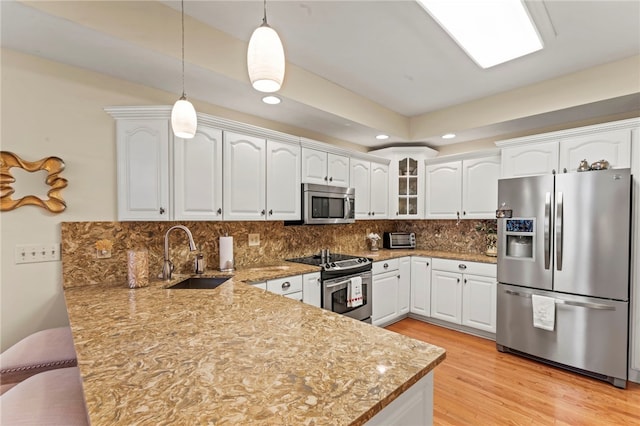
[(161, 210), (326, 178), (385, 266), (286, 285), (262, 213), (398, 276), (465, 280), (373, 213), (457, 279), (219, 211), (427, 263), (331, 179), (271, 212), (464, 213), (462, 266)]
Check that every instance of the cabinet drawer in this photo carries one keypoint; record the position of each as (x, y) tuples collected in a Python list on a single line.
[(295, 296), (285, 285), (464, 267), (262, 286), (391, 265)]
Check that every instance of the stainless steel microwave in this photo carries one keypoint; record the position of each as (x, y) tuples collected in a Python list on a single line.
[(326, 204)]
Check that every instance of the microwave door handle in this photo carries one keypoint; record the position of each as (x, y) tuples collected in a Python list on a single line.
[(347, 207), (547, 226)]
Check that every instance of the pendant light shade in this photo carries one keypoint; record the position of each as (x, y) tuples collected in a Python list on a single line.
[(184, 120), (265, 58)]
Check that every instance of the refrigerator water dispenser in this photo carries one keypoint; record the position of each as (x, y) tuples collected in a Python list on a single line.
[(519, 234)]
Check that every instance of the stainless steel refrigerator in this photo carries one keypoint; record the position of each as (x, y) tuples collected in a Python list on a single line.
[(566, 238)]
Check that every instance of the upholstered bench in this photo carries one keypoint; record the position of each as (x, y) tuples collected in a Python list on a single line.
[(41, 351), (54, 397)]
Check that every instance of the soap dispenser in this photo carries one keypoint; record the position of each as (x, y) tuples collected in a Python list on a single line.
[(199, 264)]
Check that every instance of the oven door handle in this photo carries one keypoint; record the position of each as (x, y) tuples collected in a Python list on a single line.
[(338, 284)]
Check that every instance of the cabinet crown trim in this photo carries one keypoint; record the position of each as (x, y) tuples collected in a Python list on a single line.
[(578, 131), (322, 146), (464, 156)]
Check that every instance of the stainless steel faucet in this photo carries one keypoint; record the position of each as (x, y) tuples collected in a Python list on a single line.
[(167, 267)]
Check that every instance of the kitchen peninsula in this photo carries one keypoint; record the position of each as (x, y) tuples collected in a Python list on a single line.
[(236, 355)]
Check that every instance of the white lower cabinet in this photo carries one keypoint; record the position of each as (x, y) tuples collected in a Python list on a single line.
[(412, 407), (312, 289), (420, 286), (287, 286), (262, 286), (391, 290), (464, 293)]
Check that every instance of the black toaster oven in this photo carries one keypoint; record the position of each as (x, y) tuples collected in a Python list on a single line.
[(399, 240)]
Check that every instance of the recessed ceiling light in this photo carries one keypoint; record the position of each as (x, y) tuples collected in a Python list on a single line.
[(449, 136), (490, 32), (382, 137), (271, 100)]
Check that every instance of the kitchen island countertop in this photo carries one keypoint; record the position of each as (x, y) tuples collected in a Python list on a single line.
[(234, 355)]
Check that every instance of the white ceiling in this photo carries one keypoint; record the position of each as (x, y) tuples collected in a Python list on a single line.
[(389, 53)]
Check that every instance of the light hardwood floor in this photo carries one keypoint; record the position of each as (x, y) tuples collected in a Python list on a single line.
[(477, 385)]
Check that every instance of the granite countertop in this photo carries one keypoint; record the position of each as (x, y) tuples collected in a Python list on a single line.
[(385, 254), (234, 355)]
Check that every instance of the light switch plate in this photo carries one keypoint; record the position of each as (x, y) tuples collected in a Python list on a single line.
[(254, 239), (35, 253)]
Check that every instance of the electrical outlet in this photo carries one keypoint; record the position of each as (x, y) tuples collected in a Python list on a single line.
[(254, 239), (34, 253)]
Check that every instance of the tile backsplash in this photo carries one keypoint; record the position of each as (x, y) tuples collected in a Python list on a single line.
[(277, 242)]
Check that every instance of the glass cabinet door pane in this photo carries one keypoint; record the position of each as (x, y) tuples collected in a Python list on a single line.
[(413, 186), (413, 167), (402, 206), (413, 206), (402, 186), (402, 167)]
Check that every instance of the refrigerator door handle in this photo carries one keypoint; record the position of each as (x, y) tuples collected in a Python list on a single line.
[(559, 226), (588, 305), (547, 226)]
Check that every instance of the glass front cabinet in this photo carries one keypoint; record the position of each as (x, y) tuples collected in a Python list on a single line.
[(406, 180)]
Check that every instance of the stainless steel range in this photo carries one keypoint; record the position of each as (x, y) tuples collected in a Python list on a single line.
[(338, 274)]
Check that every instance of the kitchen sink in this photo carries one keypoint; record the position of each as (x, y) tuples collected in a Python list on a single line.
[(199, 283)]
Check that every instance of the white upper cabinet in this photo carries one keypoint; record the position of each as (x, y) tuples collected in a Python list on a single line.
[(198, 175), (371, 182), (143, 169), (613, 146), (261, 179), (562, 152), (444, 190), (464, 189), (538, 159), (480, 187), (244, 177), (283, 181), (406, 180), (324, 168)]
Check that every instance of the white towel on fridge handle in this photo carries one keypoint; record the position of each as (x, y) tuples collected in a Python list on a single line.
[(544, 312), (354, 292)]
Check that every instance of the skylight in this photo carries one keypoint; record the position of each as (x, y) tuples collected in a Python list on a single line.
[(489, 31)]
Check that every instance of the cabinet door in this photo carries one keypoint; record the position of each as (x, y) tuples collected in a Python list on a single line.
[(421, 286), (338, 170), (360, 178), (444, 190), (613, 146), (244, 177), (379, 191), (314, 166), (446, 296), (143, 169), (479, 302), (197, 174), (480, 187), (408, 192), (385, 298), (528, 160), (404, 286), (283, 181), (312, 289)]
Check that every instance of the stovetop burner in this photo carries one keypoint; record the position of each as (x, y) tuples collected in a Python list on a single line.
[(335, 262)]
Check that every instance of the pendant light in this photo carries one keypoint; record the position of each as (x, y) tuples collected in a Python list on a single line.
[(265, 58), (183, 115)]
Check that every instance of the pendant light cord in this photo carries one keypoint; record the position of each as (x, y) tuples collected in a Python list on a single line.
[(264, 19), (182, 6)]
